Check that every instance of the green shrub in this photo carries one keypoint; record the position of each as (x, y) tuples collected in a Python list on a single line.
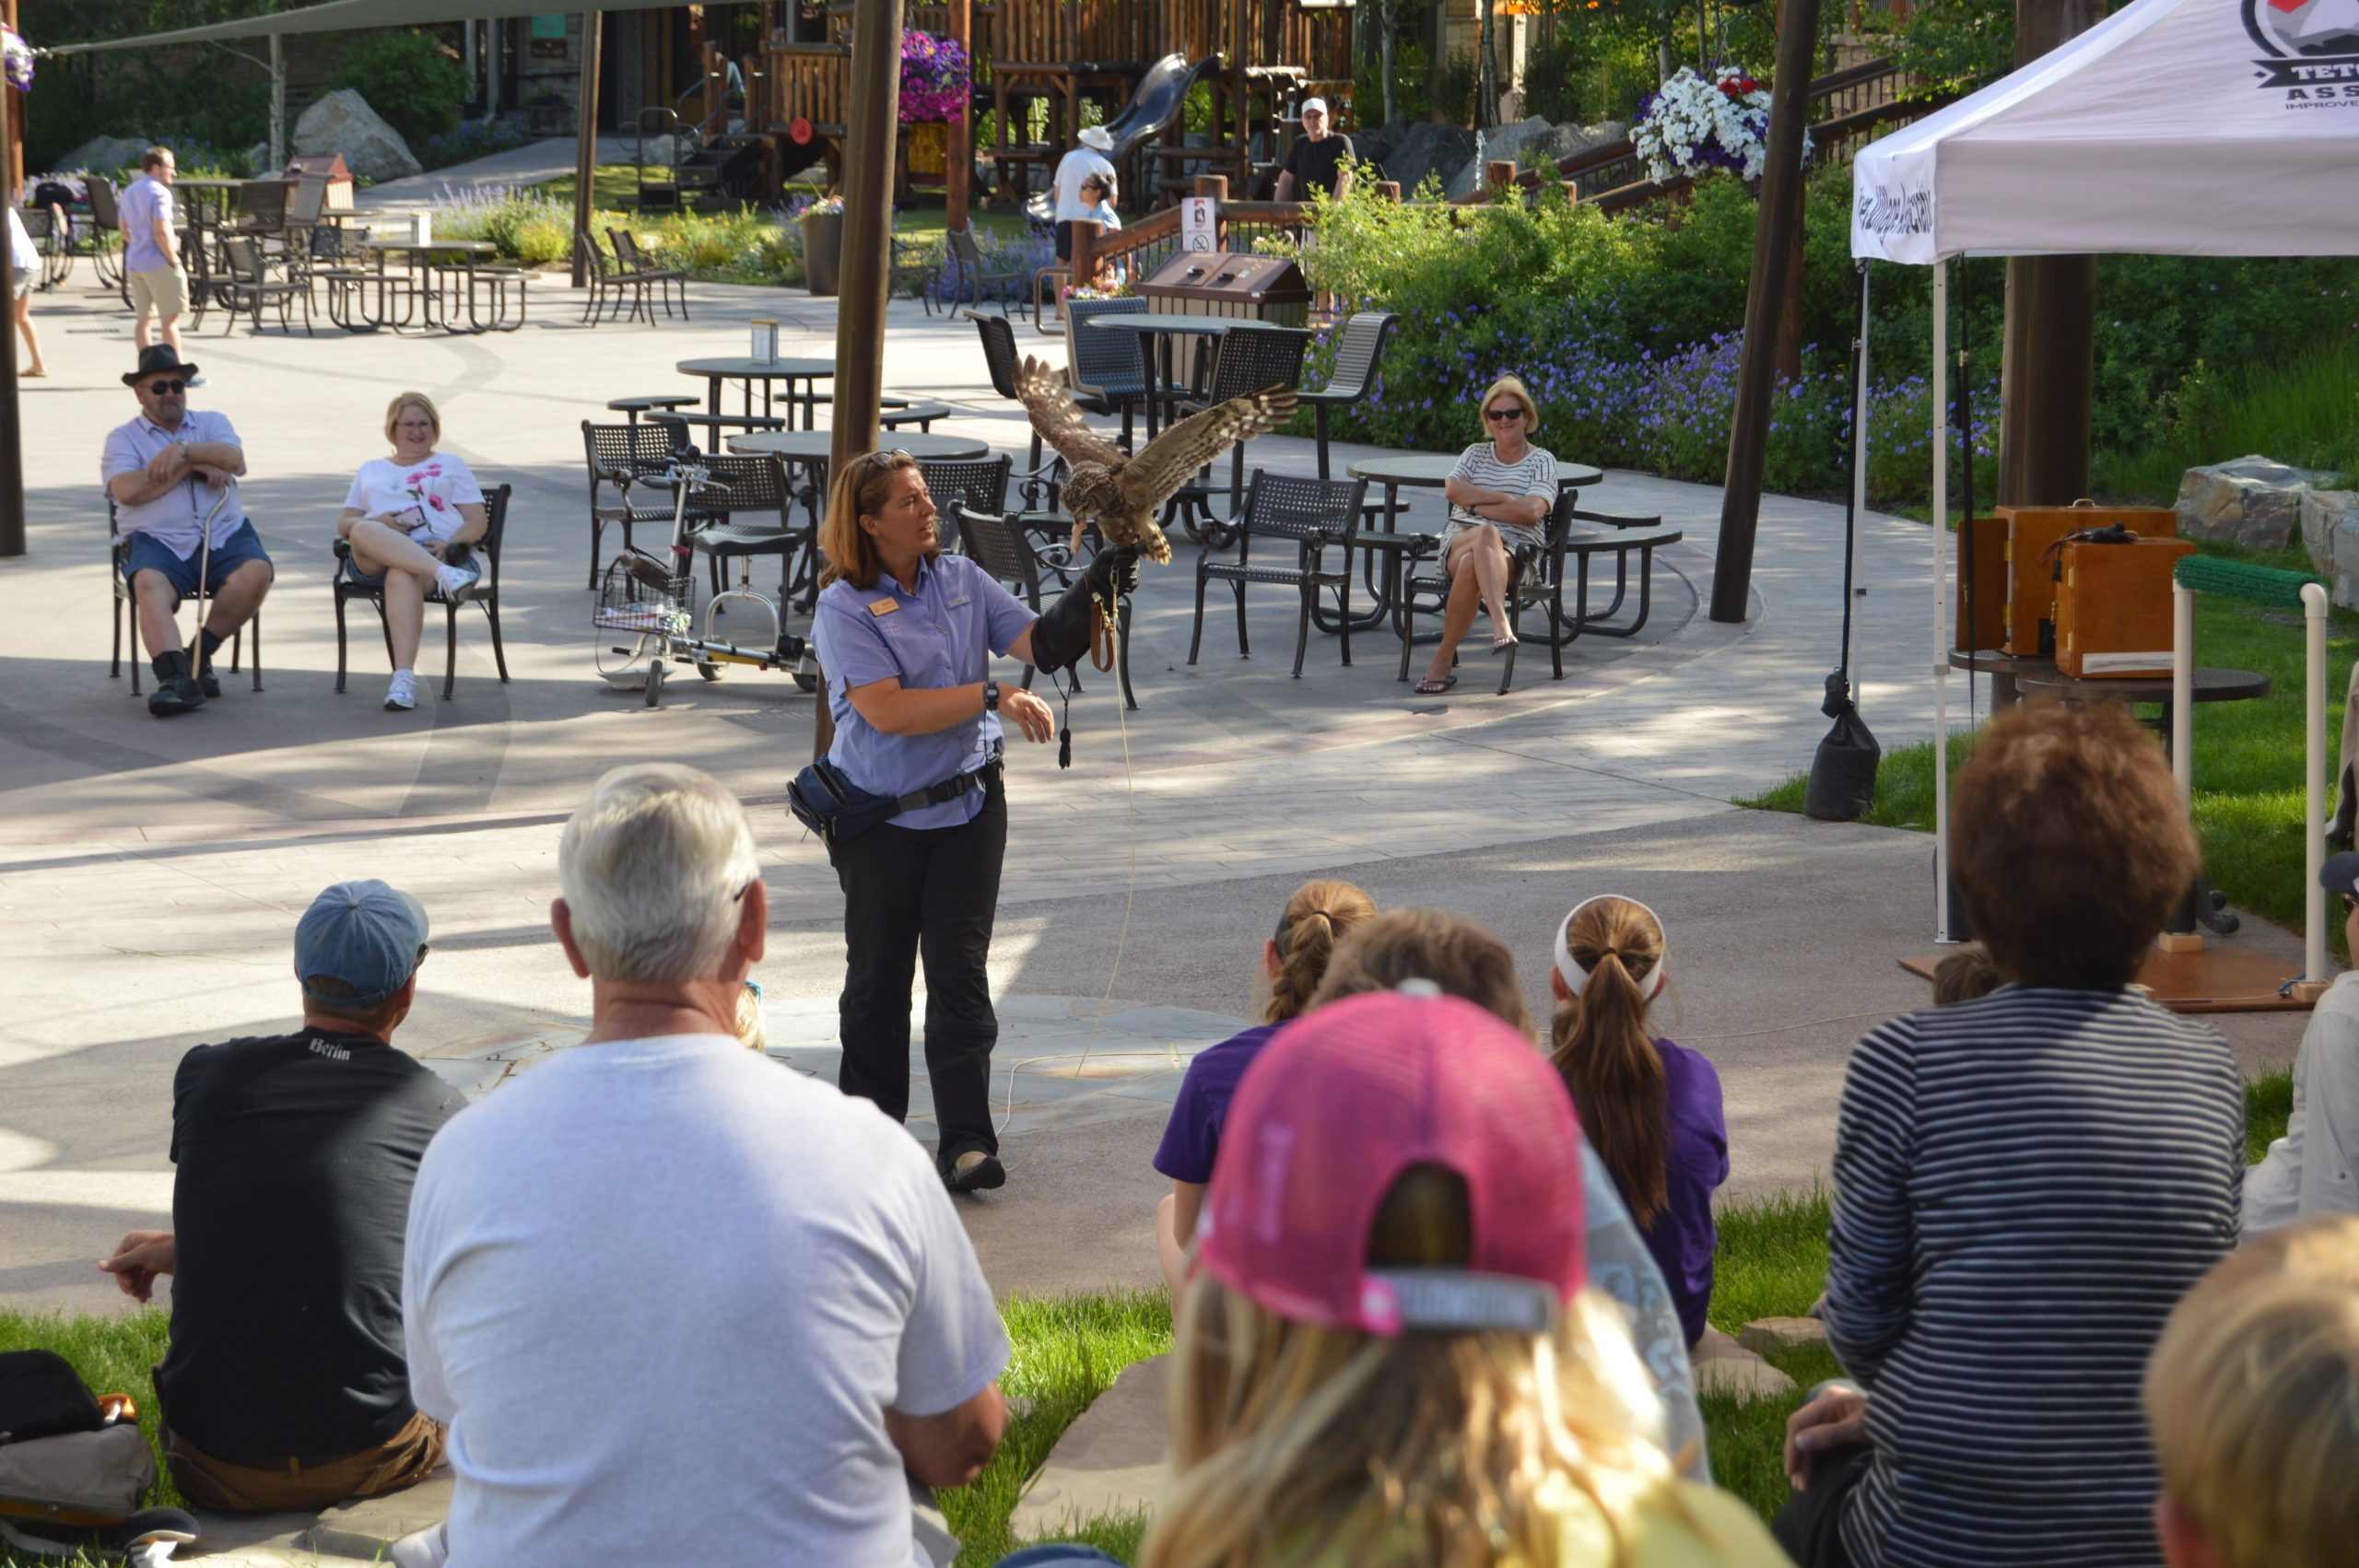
[(410, 81)]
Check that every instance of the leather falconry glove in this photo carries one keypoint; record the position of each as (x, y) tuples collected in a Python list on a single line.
[(1060, 637)]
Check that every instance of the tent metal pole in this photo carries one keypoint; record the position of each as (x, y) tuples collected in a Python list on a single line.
[(278, 102), (1859, 426), (12, 446), (2314, 966), (1940, 601)]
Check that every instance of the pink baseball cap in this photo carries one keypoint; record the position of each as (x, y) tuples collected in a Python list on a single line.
[(1336, 1106)]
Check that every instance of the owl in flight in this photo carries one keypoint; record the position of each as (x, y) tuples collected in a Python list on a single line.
[(1123, 494)]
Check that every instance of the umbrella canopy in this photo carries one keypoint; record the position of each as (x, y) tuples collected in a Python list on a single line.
[(2174, 127)]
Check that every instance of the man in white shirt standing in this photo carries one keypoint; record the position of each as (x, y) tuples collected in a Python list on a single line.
[(164, 471), (1076, 165), (155, 279), (679, 1304), (2314, 1169)]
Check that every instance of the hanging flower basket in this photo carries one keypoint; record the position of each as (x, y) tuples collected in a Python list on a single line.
[(935, 79), (18, 56), (1692, 125)]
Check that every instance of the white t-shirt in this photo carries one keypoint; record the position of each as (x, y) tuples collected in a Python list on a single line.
[(664, 1290), (2314, 1169), (428, 492), (1071, 170)]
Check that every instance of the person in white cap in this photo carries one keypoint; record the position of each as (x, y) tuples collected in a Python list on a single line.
[(1319, 159), (1089, 158)]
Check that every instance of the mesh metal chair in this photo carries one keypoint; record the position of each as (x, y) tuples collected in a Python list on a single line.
[(336, 262), (1353, 376), (262, 206), (102, 240), (246, 287), (635, 266), (966, 265), (1251, 357), (620, 456), (484, 590), (1039, 480), (751, 515), (1108, 370), (979, 483), (608, 284), (126, 639), (1303, 519)]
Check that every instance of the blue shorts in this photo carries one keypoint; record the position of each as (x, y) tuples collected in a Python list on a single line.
[(149, 554)]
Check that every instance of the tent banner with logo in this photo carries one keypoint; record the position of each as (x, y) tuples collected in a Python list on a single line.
[(2172, 127)]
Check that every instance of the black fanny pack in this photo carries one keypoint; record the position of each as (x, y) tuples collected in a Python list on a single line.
[(824, 800)]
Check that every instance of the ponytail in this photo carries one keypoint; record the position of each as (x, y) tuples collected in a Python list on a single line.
[(1315, 917), (1599, 1041)]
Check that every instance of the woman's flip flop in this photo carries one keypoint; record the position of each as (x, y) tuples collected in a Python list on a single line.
[(1430, 687)]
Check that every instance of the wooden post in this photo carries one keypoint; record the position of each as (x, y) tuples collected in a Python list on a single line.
[(1498, 174), (14, 164), (278, 100), (1388, 190), (12, 440), (958, 137), (1789, 310), (1085, 245), (1781, 204), (586, 150), (2047, 365), (871, 119)]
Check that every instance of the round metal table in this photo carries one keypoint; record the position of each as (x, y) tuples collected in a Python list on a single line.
[(1166, 327), (817, 446), (745, 371), (654, 403)]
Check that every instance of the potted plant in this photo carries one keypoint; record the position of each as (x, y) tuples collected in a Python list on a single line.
[(822, 244)]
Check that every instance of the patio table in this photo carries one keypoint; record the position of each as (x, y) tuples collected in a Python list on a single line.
[(813, 450), (1165, 328), (745, 371), (430, 304)]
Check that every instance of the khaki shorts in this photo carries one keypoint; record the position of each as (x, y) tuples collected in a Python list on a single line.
[(163, 292), (401, 1461)]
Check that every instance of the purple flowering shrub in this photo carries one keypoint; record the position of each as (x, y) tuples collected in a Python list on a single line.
[(934, 78)]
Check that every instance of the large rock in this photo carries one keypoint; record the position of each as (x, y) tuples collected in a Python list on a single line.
[(104, 155), (343, 123), (2330, 535), (1426, 148), (1723, 1366), (2254, 501), (1529, 144)]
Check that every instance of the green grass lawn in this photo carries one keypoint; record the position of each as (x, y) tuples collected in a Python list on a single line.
[(2248, 755), (1068, 1350)]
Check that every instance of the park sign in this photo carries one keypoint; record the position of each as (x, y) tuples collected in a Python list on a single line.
[(2174, 127)]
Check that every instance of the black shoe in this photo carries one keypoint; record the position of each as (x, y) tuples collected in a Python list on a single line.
[(176, 694), (974, 1171)]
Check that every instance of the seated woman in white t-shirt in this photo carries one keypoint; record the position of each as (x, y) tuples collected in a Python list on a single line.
[(404, 517), (1501, 495)]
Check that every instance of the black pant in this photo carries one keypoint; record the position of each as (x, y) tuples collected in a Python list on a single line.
[(1810, 1526), (931, 891)]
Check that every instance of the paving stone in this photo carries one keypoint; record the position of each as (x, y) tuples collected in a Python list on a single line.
[(1110, 1460), (1724, 1366), (1764, 1335)]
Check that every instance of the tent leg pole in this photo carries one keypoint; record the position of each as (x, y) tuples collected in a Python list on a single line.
[(2314, 606), (2183, 695), (1940, 601)]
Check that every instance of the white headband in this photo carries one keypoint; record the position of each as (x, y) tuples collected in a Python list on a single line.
[(1576, 976)]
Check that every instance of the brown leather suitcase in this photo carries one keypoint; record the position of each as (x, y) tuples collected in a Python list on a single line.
[(1986, 568), (2113, 608), (2031, 585)]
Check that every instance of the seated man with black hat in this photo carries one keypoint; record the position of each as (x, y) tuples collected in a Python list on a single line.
[(164, 472), (286, 1386)]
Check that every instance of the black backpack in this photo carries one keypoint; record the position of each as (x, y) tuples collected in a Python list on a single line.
[(41, 1396)]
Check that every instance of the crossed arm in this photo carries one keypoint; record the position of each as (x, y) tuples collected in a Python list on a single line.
[(897, 710), (1498, 505), (216, 462)]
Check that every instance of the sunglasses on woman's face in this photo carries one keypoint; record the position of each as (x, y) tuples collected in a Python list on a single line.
[(1501, 415)]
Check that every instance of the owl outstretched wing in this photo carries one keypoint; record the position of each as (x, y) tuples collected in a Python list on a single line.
[(1058, 421), (1151, 477)]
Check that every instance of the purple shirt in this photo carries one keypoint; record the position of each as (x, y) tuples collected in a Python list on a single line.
[(1193, 1136), (142, 201), (1695, 1161)]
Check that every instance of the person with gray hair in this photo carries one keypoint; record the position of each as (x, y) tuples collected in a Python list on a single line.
[(674, 1304)]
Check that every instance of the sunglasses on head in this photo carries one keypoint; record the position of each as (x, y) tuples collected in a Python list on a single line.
[(1497, 415), (163, 388), (886, 458)]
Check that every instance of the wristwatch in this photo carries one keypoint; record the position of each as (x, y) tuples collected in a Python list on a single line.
[(990, 696)]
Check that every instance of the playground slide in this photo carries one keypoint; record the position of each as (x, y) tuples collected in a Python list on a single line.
[(1154, 107)]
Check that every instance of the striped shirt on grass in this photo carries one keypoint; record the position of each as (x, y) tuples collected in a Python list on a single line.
[(2025, 1186)]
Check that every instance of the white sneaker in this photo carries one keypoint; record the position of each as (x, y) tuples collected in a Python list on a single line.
[(402, 695), (451, 579)]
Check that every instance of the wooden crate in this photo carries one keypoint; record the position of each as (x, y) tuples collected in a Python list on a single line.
[(2113, 608), (2031, 581)]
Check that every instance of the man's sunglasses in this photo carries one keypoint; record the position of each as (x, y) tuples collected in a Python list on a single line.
[(1500, 415), (164, 389)]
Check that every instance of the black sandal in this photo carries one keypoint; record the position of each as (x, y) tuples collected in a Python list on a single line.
[(1429, 687)]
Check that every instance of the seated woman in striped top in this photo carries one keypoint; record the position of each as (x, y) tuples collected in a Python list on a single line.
[(1499, 498), (2025, 1186)]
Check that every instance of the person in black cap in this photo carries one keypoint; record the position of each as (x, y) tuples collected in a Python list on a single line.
[(163, 471), (2314, 1169), (286, 1385)]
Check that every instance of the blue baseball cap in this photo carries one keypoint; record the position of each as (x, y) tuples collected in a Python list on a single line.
[(365, 934)]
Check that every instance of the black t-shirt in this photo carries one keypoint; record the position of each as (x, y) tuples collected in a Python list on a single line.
[(297, 1154), (1314, 163)]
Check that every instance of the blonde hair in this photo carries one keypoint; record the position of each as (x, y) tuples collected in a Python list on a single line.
[(752, 1033), (408, 399), (651, 868), (858, 490), (2252, 1395), (1316, 919), (1513, 386), (1458, 954), (1965, 975), (1297, 1443), (1599, 1041)]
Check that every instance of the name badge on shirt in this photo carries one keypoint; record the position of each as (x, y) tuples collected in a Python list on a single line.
[(962, 599), (884, 606)]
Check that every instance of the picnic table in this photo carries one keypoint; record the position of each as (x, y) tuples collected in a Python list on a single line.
[(424, 303)]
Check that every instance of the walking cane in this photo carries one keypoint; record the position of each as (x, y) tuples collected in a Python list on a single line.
[(204, 575)]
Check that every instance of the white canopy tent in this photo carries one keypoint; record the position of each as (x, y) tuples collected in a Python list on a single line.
[(2174, 127)]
